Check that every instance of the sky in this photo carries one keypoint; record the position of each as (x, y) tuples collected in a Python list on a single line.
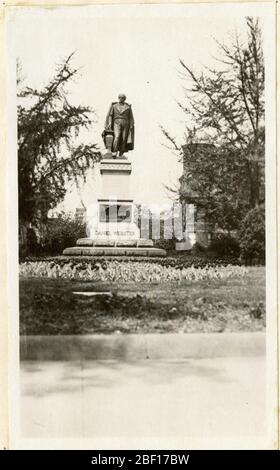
[(135, 50)]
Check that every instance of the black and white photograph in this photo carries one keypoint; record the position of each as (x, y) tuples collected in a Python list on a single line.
[(141, 227)]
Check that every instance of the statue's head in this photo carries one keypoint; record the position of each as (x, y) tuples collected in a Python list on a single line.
[(122, 97)]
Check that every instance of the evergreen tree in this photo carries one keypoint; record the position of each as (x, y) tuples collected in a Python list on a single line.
[(49, 155)]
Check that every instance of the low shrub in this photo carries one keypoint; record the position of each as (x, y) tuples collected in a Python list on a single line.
[(224, 245), (179, 261), (61, 233), (252, 236), (198, 249), (52, 237), (168, 245)]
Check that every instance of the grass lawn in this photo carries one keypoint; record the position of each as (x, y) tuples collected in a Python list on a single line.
[(49, 306)]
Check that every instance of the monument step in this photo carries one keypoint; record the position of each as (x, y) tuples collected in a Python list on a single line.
[(113, 251), (140, 242)]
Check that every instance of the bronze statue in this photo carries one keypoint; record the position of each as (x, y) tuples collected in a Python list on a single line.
[(119, 127)]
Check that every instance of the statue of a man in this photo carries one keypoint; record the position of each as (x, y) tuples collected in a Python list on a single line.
[(120, 122)]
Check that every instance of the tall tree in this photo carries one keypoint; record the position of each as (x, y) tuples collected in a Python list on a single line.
[(49, 155), (225, 106)]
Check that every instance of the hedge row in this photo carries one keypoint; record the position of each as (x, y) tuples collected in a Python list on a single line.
[(178, 262)]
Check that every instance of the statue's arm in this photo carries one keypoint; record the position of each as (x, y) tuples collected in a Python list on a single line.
[(131, 118), (109, 119)]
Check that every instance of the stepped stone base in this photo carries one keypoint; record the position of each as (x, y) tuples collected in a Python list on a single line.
[(111, 228), (113, 251), (140, 242)]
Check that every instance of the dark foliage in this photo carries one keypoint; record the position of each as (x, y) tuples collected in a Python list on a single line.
[(61, 233), (252, 236), (225, 245), (168, 245), (180, 261)]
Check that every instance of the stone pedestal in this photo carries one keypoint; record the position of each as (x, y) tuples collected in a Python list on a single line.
[(111, 226)]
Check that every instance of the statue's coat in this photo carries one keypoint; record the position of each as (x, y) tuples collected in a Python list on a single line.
[(113, 113)]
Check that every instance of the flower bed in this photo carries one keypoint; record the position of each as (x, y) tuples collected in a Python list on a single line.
[(114, 270)]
